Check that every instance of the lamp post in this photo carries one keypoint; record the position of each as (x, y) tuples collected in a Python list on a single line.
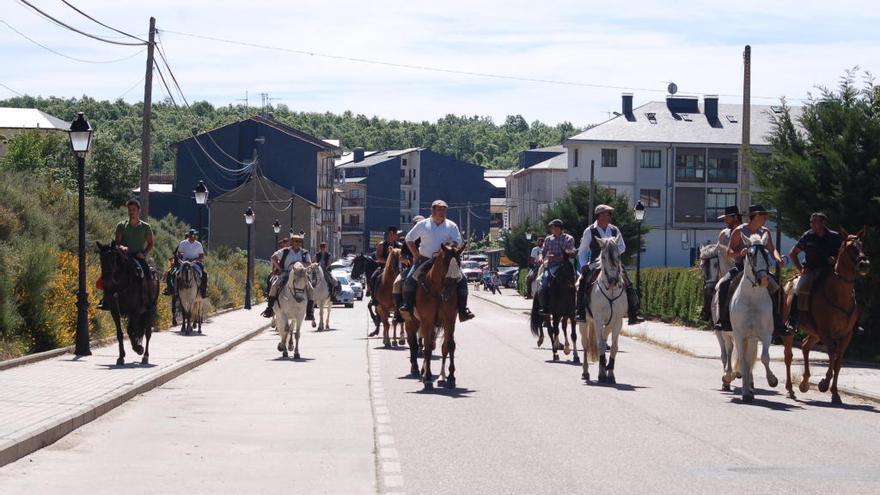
[(201, 194), (529, 235), (640, 216), (276, 227), (249, 220), (80, 139)]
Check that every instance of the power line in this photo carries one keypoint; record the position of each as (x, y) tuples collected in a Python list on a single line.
[(75, 59), (428, 68), (127, 91), (65, 2), (10, 89), (75, 30)]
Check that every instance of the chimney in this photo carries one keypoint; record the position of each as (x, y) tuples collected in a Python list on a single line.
[(710, 107), (627, 99), (358, 154)]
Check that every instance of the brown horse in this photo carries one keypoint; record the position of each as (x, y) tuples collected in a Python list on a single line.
[(832, 314), (384, 296), (437, 308)]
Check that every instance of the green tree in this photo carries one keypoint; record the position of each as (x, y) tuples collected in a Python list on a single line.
[(517, 247), (42, 153), (112, 169)]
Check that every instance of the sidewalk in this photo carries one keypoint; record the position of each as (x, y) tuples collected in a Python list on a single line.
[(859, 381), (43, 401)]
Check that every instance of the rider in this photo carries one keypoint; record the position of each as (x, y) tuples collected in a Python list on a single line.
[(383, 249), (553, 253), (433, 232), (282, 262), (535, 261), (588, 253), (406, 261), (189, 249), (323, 259), (820, 246), (732, 218), (135, 238), (737, 251)]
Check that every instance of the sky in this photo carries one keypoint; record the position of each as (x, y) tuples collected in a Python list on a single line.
[(604, 47)]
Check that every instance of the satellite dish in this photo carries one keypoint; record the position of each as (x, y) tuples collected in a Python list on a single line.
[(672, 88)]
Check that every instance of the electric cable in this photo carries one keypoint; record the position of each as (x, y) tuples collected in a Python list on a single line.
[(68, 26)]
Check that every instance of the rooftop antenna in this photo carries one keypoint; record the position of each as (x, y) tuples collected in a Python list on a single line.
[(246, 103), (672, 88)]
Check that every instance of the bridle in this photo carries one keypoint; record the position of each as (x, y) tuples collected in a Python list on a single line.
[(856, 259), (607, 262), (753, 252)]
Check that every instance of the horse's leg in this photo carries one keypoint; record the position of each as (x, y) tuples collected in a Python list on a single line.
[(283, 327), (119, 338), (553, 330), (567, 348), (765, 360), (374, 318), (832, 354), (841, 350), (450, 380), (745, 368), (600, 344), (296, 334), (383, 315), (574, 342), (615, 334), (727, 350), (428, 343), (585, 338), (444, 353), (806, 345), (147, 320), (788, 341), (412, 340)]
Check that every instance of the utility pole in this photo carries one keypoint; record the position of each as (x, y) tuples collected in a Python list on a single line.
[(255, 176), (469, 221), (148, 113), (291, 207), (745, 149), (592, 188)]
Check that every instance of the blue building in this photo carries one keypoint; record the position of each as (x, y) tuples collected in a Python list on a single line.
[(386, 188), (225, 157)]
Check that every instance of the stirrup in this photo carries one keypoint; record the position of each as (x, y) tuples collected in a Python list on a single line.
[(268, 312), (465, 315)]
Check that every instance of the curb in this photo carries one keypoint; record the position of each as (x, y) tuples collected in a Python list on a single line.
[(498, 303), (54, 429)]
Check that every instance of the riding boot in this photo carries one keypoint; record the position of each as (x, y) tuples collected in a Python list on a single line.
[(723, 306), (269, 311), (398, 302), (103, 306), (203, 286), (779, 326), (310, 311), (409, 301), (632, 300), (580, 313), (793, 314), (464, 314), (173, 310), (168, 281)]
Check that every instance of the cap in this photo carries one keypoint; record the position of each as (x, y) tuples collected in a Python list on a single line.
[(192, 232), (756, 209), (555, 223), (418, 218), (603, 209), (439, 202), (296, 237)]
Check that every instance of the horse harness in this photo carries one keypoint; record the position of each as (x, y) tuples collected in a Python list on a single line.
[(609, 299)]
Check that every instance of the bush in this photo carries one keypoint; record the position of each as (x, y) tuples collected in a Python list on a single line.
[(673, 294)]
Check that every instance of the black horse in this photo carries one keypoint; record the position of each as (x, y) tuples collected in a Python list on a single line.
[(365, 266), (561, 308), (129, 294)]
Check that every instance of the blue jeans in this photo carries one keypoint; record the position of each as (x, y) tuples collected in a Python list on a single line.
[(551, 271)]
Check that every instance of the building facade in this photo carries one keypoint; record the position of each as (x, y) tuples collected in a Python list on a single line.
[(15, 121), (541, 181)]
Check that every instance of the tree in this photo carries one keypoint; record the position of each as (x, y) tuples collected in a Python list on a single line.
[(112, 169), (517, 247), (46, 154)]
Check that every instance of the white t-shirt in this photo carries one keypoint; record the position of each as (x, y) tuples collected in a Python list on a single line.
[(190, 250), (536, 252), (433, 235), (292, 257)]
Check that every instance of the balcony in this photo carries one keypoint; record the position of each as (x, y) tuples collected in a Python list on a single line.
[(352, 227), (354, 203)]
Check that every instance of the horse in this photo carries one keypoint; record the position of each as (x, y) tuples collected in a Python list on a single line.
[(385, 298), (364, 266), (320, 296), (187, 283), (437, 309), (832, 314), (608, 306), (714, 264), (561, 306), (291, 309), (129, 296), (751, 314)]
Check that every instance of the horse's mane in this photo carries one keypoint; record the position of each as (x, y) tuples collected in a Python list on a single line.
[(392, 261)]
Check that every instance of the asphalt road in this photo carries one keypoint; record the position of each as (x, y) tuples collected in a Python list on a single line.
[(348, 419)]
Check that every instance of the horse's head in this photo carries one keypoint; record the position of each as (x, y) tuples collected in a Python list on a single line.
[(299, 281), (358, 266), (186, 275), (449, 258), (315, 274), (757, 259), (113, 264), (851, 251), (709, 261), (609, 256), (392, 260)]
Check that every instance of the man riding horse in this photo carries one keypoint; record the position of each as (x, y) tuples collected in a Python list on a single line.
[(406, 261), (134, 237), (588, 254), (737, 250), (535, 261), (282, 262), (432, 233), (820, 246), (191, 250), (732, 218), (553, 254), (383, 248), (324, 260)]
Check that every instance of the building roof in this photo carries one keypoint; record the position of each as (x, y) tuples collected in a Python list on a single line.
[(558, 162), (685, 128), (497, 201), (497, 182), (371, 160), (353, 180), (267, 192), (502, 173), (283, 128), (157, 188), (30, 118)]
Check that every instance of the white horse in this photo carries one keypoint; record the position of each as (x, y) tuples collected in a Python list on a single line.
[(751, 315), (715, 264), (187, 283), (608, 306), (290, 309), (320, 296)]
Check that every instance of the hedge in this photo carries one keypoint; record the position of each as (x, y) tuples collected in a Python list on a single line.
[(673, 294)]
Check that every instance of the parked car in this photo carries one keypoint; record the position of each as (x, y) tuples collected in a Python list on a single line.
[(358, 288), (339, 265), (472, 270), (508, 276), (345, 294)]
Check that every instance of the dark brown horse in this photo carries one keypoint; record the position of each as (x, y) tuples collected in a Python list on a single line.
[(561, 308), (385, 298), (131, 295), (832, 315), (437, 308)]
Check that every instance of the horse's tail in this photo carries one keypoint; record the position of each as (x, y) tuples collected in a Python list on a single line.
[(535, 319), (591, 345)]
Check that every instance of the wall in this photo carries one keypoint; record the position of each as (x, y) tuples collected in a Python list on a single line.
[(383, 196), (458, 183)]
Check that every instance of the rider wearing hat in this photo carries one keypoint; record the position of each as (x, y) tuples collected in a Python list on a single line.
[(406, 261), (820, 246), (192, 250), (737, 251), (383, 249), (588, 254), (324, 260), (732, 218), (282, 262), (424, 240), (553, 253)]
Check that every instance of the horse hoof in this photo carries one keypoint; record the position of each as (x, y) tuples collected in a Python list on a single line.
[(373, 334), (120, 362), (284, 353), (145, 360), (429, 385), (314, 324), (540, 340), (414, 371), (139, 349), (576, 359), (725, 387), (555, 358), (611, 380), (772, 381), (804, 387), (748, 398), (295, 355), (281, 347), (791, 395), (823, 385), (401, 342), (567, 349), (739, 375), (386, 343), (200, 331), (835, 399), (450, 383)]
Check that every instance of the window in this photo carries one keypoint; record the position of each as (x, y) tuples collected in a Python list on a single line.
[(718, 198), (403, 162), (690, 164), (723, 165), (690, 204), (650, 198), (650, 159), (403, 195), (575, 157), (402, 219), (609, 157)]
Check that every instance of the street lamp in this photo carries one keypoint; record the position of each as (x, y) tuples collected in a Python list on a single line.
[(529, 235), (249, 220), (80, 139), (201, 194), (276, 227), (640, 216)]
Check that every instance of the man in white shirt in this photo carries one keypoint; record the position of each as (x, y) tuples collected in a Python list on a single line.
[(191, 250), (431, 233), (282, 262), (535, 260), (589, 251)]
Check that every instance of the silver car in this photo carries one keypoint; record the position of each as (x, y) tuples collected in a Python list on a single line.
[(345, 294)]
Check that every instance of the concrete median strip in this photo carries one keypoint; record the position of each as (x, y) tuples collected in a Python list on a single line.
[(37, 414)]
